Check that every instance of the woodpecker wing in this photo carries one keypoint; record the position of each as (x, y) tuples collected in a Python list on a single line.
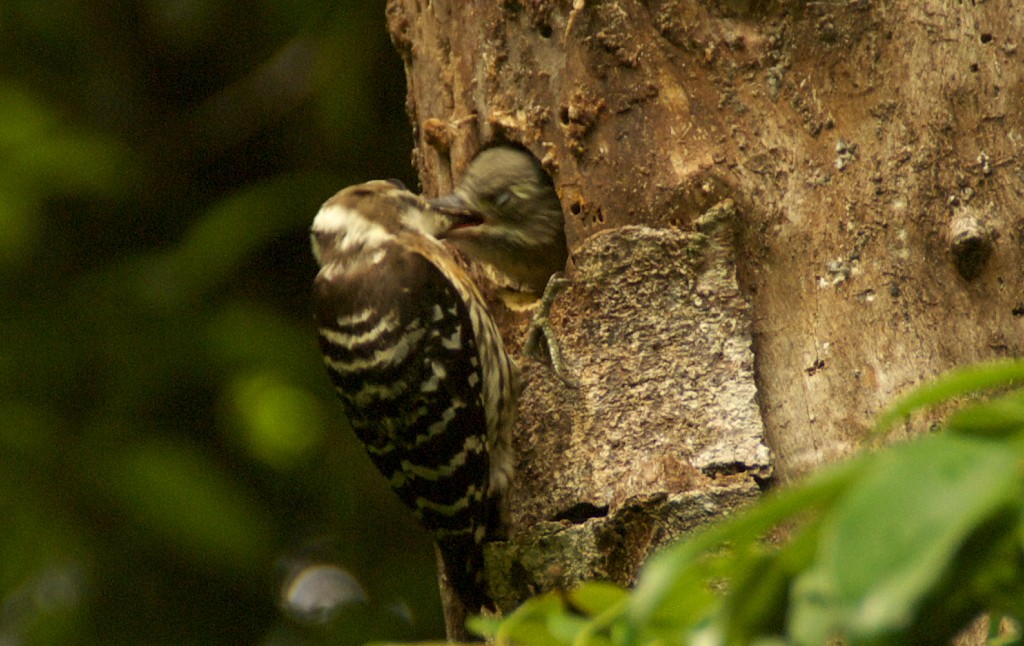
[(502, 382), (410, 383)]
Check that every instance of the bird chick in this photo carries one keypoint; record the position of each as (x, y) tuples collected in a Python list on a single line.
[(505, 213)]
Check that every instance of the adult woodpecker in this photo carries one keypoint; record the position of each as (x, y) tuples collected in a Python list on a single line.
[(419, 366), (505, 213)]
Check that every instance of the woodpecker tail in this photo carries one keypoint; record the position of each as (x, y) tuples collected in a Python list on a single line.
[(462, 570)]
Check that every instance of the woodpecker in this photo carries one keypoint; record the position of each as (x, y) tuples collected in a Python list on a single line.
[(505, 212), (419, 366)]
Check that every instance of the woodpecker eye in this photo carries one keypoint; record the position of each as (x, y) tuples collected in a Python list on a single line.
[(502, 198)]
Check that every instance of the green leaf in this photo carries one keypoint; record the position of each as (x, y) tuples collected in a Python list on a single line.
[(996, 418), (894, 533), (484, 626), (595, 597), (531, 623), (958, 382), (758, 596), (565, 627), (672, 591)]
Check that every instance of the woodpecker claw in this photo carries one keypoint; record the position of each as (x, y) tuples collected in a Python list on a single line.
[(540, 331)]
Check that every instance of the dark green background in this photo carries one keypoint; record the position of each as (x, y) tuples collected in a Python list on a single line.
[(170, 448)]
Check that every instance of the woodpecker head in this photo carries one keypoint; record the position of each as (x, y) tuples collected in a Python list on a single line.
[(505, 212), (361, 218)]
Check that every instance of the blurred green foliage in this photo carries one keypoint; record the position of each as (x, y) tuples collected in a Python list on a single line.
[(171, 454), (906, 545)]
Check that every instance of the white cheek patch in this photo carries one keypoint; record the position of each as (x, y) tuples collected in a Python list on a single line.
[(352, 226), (426, 221), (334, 218)]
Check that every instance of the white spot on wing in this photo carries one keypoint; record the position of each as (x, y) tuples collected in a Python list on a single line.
[(454, 342), (371, 393), (473, 494), (440, 425), (348, 341), (448, 533), (471, 445), (357, 318), (383, 357), (430, 385)]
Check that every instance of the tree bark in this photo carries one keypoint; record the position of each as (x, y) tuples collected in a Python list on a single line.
[(781, 215)]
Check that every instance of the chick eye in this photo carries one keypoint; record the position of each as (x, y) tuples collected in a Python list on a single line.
[(502, 198)]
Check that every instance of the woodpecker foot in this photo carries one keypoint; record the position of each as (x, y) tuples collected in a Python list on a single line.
[(541, 333)]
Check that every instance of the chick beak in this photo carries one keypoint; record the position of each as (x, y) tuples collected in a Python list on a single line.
[(458, 213)]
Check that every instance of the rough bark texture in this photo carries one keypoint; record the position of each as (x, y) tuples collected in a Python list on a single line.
[(663, 431), (872, 151)]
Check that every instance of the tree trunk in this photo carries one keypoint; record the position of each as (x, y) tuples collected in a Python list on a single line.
[(780, 215)]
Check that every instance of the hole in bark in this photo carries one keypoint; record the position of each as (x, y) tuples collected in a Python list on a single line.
[(545, 31), (519, 576), (970, 254), (724, 469), (563, 115), (598, 215), (986, 38), (763, 483), (974, 67), (575, 208), (1018, 311), (582, 511)]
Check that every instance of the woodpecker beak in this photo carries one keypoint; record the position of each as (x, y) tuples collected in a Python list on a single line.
[(459, 213)]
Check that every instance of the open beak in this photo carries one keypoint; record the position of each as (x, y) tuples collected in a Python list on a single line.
[(459, 213)]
